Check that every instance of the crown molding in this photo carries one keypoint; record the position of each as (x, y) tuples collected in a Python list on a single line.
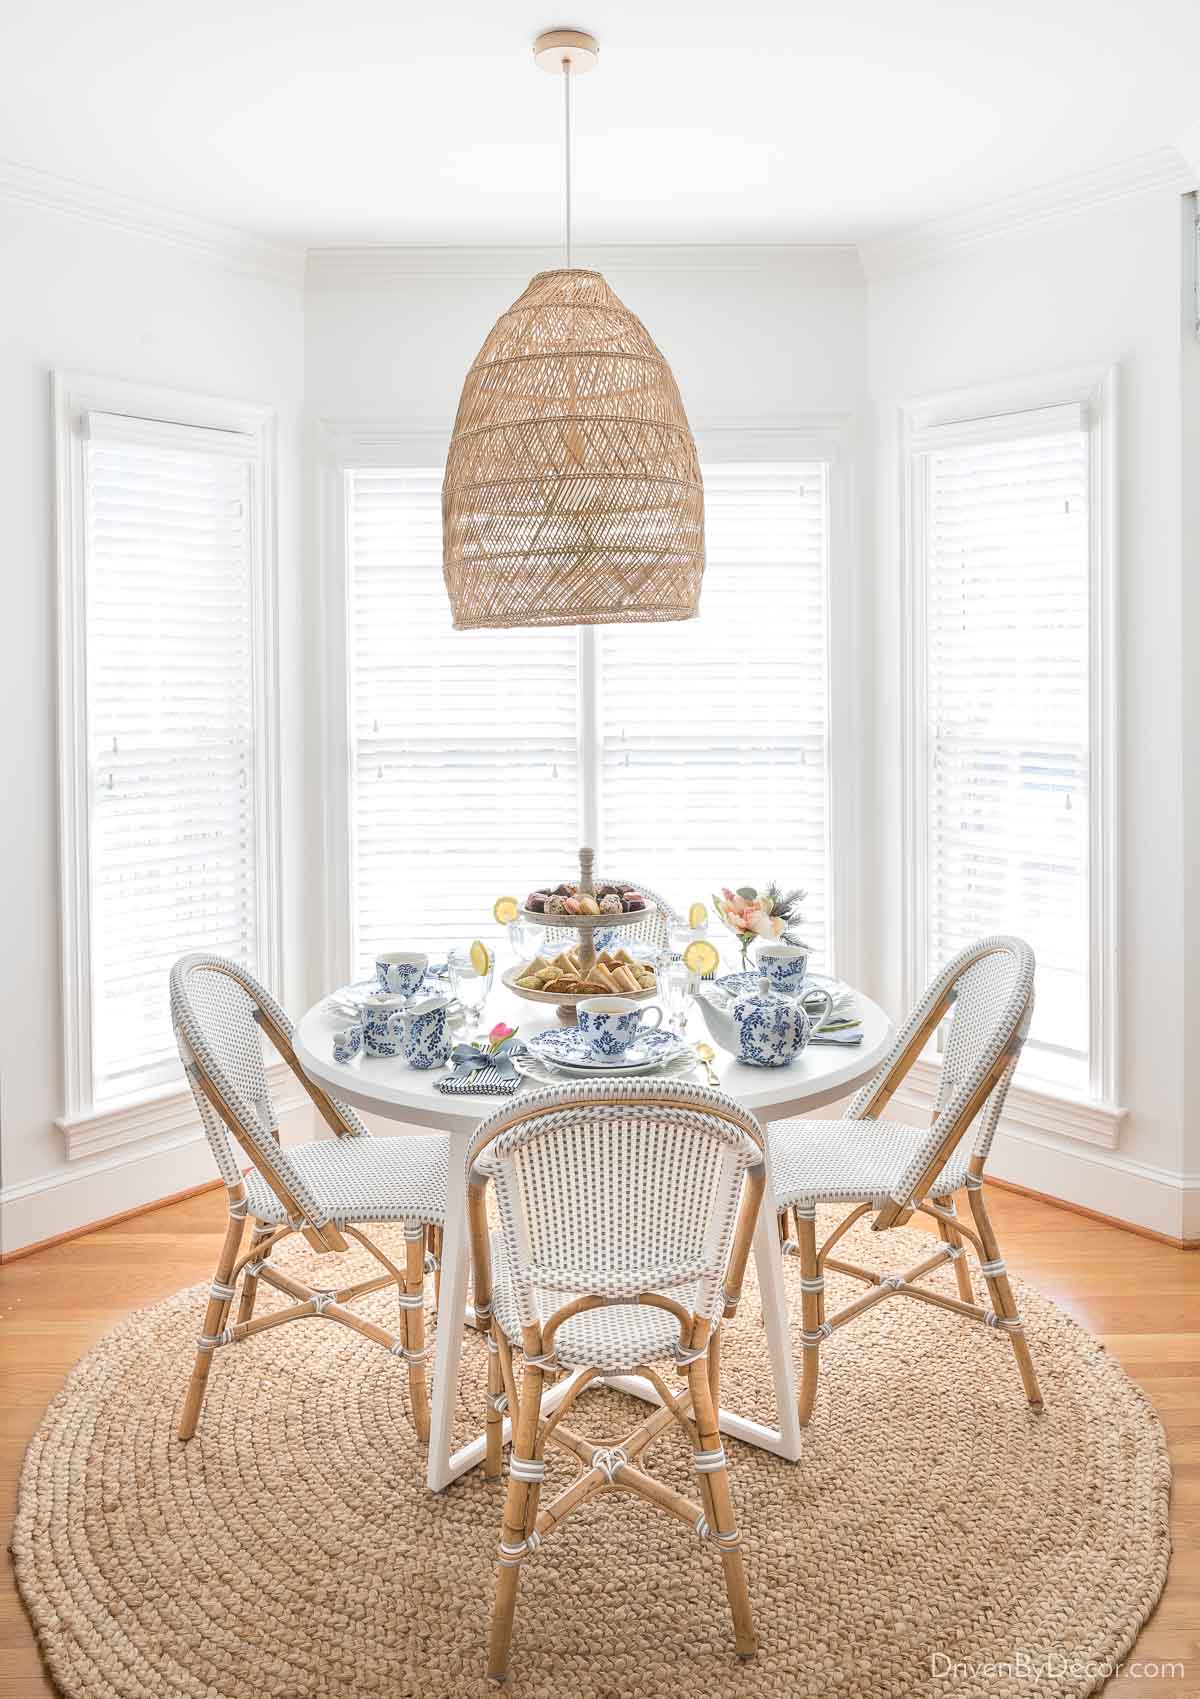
[(925, 244), (336, 268), (23, 185)]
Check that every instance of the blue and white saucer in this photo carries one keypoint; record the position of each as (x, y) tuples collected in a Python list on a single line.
[(345, 1001), (570, 1050)]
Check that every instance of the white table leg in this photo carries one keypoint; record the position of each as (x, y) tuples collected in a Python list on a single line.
[(452, 1317), (768, 1265), (785, 1440)]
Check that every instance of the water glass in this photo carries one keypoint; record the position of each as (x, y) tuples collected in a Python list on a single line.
[(674, 985), (521, 940), (471, 988)]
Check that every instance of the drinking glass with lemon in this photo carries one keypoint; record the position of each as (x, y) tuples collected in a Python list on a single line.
[(471, 970), (506, 912)]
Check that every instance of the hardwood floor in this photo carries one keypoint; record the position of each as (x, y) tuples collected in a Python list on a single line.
[(1141, 1298)]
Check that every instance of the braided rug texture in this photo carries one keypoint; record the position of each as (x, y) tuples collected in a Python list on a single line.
[(291, 1551)]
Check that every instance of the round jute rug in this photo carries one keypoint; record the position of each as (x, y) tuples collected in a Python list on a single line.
[(936, 1538)]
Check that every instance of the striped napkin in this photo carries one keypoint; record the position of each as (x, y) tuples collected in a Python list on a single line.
[(484, 1082), (483, 1073)]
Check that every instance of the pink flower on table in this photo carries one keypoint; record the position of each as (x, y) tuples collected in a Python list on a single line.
[(500, 1032)]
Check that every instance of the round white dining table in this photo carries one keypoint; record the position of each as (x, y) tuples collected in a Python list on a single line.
[(387, 1087)]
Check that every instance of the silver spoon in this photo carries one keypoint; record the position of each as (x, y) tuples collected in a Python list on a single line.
[(706, 1054)]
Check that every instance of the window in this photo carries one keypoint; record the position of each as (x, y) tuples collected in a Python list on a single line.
[(713, 732), (464, 755), (689, 754), (1009, 754), (166, 806)]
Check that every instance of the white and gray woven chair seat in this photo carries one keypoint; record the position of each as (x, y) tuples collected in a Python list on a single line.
[(365, 1179), (616, 1338), (850, 1161)]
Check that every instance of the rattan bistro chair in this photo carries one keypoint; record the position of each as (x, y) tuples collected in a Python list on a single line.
[(626, 1214), (323, 1190), (895, 1169)]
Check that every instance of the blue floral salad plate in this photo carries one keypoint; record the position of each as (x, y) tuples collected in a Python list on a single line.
[(569, 1050)]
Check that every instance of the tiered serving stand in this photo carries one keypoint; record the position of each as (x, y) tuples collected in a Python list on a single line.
[(586, 925)]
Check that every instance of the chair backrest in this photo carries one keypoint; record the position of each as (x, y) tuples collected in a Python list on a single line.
[(651, 929), (220, 1013), (990, 986), (608, 1190)]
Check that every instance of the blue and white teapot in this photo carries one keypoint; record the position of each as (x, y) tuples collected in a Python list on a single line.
[(771, 1030), (754, 1023)]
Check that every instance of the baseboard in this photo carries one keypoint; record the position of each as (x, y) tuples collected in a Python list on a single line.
[(82, 1195), (1177, 1244), (1106, 1184), (109, 1221)]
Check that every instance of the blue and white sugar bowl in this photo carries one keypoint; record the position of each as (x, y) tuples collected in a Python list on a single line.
[(771, 1030), (347, 1042)]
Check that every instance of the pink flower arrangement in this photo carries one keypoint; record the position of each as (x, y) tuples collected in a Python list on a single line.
[(751, 914)]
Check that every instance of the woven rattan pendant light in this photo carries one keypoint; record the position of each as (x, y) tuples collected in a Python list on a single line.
[(572, 493)]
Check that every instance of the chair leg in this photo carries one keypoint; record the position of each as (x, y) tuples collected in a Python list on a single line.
[(496, 1401), (249, 1280), (952, 1237), (413, 1328), (219, 1299), (433, 1244), (812, 1309), (1004, 1305), (515, 1544), (710, 1462)]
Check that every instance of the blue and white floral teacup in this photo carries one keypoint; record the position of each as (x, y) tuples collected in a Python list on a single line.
[(400, 972), (784, 966), (609, 1025), (348, 1042), (421, 1029), (381, 1016)]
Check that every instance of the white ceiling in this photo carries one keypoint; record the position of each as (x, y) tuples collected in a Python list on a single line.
[(381, 121)]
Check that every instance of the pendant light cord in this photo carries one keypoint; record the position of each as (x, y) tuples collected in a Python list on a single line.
[(566, 65)]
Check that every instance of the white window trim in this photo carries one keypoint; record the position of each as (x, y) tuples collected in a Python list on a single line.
[(73, 396), (348, 444), (1087, 396)]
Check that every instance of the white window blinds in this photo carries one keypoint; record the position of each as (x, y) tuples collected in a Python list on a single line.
[(1007, 675), (705, 742), (169, 565), (464, 759), (714, 732)]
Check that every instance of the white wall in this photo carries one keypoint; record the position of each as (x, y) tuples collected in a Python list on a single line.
[(752, 335), (1094, 289), (1190, 629), (82, 296)]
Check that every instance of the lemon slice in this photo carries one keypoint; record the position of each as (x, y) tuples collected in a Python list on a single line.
[(481, 961), (505, 910), (697, 916), (700, 957)]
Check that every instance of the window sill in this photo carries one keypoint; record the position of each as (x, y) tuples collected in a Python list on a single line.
[(1028, 1108), (167, 1109)]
